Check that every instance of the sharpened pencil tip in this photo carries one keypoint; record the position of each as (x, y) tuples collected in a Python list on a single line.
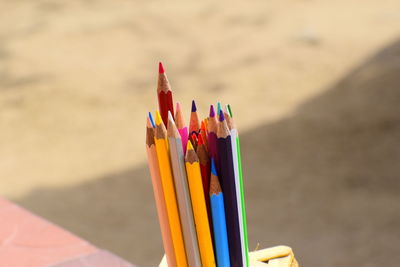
[(189, 146), (213, 168), (226, 108), (151, 120), (221, 115), (170, 118), (200, 140), (203, 126), (160, 68), (178, 106), (212, 111), (194, 137), (158, 118), (194, 108), (230, 110), (218, 107)]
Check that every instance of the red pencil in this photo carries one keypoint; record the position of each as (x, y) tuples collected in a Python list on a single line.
[(164, 93), (203, 133), (205, 171)]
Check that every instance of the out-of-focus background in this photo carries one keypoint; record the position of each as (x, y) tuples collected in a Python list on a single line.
[(315, 88)]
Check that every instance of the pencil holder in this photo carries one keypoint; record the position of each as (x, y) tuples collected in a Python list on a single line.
[(279, 256)]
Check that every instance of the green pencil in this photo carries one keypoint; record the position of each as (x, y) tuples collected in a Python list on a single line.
[(243, 207)]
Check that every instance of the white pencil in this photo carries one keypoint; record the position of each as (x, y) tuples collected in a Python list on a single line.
[(234, 134), (182, 194)]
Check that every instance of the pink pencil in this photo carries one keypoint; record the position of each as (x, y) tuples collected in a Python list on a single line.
[(182, 128)]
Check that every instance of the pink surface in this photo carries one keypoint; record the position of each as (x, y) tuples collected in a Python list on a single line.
[(29, 241), (98, 259)]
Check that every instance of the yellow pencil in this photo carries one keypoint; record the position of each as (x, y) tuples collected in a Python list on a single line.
[(169, 191), (199, 207)]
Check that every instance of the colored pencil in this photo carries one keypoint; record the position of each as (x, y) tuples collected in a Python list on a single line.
[(159, 194), (227, 179), (218, 218), (182, 128), (244, 220), (218, 108), (203, 132), (212, 134), (164, 94), (205, 172), (199, 207), (194, 125), (234, 135), (202, 215), (193, 139), (169, 191), (182, 193)]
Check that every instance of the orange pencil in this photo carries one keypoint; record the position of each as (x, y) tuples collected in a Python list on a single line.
[(194, 125), (167, 181), (203, 132), (159, 194)]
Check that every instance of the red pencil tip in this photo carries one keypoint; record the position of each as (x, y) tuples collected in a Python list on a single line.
[(200, 140), (160, 68)]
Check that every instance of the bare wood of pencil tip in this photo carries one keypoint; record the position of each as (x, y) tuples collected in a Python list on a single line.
[(229, 121), (191, 155), (161, 131), (202, 154), (163, 83), (172, 130), (215, 187), (180, 122), (149, 133), (212, 125), (223, 130)]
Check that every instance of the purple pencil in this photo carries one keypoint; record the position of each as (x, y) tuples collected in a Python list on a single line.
[(227, 179), (212, 134)]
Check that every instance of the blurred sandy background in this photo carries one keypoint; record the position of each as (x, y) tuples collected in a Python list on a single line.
[(315, 87)]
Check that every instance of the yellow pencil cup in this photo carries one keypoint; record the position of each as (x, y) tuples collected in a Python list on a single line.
[(279, 256)]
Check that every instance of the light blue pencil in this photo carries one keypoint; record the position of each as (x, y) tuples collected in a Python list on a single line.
[(218, 219)]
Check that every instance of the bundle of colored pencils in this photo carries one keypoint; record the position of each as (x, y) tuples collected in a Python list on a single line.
[(197, 180)]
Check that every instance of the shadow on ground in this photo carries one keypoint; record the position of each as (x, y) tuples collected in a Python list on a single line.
[(324, 181)]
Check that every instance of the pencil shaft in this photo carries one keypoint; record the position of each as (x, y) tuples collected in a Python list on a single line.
[(184, 202), (160, 205), (219, 226), (184, 138), (205, 176), (170, 200), (200, 214), (165, 104), (246, 242), (212, 146), (234, 135), (227, 179)]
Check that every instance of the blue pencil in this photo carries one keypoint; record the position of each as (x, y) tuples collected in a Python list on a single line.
[(218, 219)]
